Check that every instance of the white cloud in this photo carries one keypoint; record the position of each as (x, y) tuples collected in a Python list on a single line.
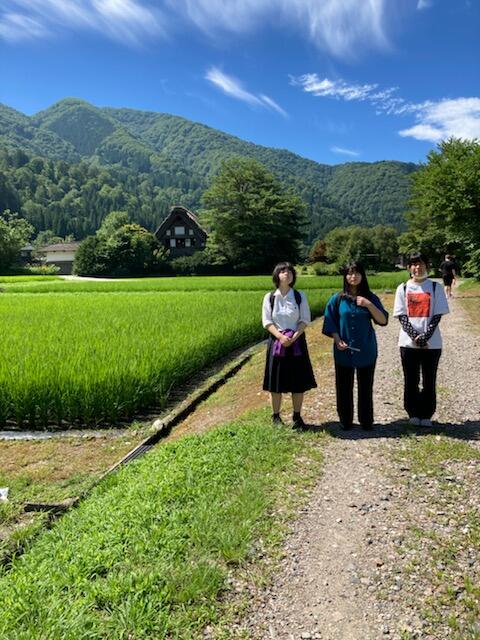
[(311, 83), (273, 105), (16, 26), (341, 27), (435, 121), (124, 20), (345, 152), (233, 87), (344, 28), (424, 4)]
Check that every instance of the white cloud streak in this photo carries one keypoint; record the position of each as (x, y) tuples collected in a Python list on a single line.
[(424, 4), (435, 121), (128, 21), (345, 152), (341, 27), (233, 87), (344, 28)]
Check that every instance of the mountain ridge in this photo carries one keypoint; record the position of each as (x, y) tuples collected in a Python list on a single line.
[(173, 153)]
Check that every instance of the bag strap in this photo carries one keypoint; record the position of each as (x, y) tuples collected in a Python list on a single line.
[(297, 294)]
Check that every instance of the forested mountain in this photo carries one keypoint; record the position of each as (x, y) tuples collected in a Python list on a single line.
[(95, 159)]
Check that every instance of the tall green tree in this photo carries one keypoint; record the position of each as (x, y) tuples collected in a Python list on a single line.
[(446, 199), (14, 233), (255, 221)]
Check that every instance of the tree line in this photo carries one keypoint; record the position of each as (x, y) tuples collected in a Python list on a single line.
[(255, 220)]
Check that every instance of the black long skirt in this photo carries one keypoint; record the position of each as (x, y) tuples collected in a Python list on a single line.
[(288, 374)]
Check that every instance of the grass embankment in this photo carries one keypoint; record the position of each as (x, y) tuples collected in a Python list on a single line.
[(100, 358), (50, 471), (152, 549), (443, 542)]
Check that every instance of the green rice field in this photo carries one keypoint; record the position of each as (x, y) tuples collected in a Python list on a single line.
[(93, 353), (191, 283)]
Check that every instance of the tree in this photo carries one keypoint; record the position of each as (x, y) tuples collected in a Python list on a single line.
[(90, 258), (14, 233), (114, 221), (385, 245), (318, 251), (131, 250), (446, 199), (375, 247), (254, 221)]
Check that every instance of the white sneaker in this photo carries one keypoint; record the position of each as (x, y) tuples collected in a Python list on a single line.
[(416, 421), (425, 422)]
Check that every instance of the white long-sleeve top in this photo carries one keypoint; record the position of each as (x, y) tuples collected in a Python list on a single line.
[(286, 314)]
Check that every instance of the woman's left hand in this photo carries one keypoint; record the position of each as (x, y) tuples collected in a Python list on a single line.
[(363, 302)]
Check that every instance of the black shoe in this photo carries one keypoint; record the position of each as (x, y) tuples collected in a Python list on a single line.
[(276, 419), (298, 423)]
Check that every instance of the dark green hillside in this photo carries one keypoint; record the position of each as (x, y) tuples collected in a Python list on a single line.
[(158, 159), (18, 131), (372, 191), (75, 198)]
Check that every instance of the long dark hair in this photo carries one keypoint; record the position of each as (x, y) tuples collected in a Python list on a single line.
[(363, 288)]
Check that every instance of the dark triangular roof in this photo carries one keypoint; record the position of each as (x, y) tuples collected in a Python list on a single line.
[(174, 211)]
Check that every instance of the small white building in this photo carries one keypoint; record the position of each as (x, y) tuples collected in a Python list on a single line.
[(61, 255)]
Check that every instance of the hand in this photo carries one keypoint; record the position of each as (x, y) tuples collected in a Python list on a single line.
[(285, 341), (363, 302), (341, 344), (421, 342)]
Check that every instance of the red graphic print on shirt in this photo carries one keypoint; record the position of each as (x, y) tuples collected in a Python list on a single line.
[(418, 305)]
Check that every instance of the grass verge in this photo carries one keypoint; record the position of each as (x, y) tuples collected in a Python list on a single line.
[(151, 551), (443, 542)]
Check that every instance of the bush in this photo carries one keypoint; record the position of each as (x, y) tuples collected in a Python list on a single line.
[(198, 264), (42, 269), (324, 269)]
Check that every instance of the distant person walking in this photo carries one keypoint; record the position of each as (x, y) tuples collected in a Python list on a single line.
[(419, 306), (448, 269), (285, 314), (348, 320)]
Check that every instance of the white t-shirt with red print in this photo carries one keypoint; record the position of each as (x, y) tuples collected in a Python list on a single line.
[(420, 302)]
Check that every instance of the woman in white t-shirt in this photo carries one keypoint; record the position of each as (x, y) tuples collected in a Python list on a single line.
[(419, 305), (285, 314)]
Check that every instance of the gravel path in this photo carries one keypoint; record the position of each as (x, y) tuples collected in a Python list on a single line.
[(342, 575)]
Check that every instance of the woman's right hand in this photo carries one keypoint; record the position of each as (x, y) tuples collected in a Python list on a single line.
[(341, 344)]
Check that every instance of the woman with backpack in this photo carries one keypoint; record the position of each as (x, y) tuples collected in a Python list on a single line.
[(419, 306), (285, 314), (348, 320)]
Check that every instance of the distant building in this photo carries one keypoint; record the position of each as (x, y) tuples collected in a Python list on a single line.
[(26, 252), (61, 255), (181, 232)]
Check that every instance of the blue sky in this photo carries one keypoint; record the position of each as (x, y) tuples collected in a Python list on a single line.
[(331, 80)]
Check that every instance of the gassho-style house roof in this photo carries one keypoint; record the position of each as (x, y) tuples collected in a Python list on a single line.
[(180, 210)]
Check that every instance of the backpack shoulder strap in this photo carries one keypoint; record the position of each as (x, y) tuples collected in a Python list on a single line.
[(272, 300), (298, 297)]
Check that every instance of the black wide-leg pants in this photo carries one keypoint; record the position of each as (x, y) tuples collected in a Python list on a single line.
[(344, 377), (420, 403)]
